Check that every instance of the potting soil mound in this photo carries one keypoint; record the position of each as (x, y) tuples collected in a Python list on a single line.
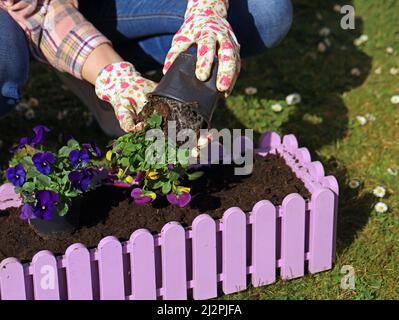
[(110, 211)]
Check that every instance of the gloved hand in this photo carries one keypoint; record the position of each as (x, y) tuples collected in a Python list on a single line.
[(122, 86), (206, 25)]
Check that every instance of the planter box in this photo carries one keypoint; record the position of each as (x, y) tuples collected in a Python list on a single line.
[(286, 240)]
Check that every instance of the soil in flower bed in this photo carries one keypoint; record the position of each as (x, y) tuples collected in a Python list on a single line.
[(110, 211)]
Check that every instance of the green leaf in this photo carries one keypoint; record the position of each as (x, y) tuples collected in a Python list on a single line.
[(26, 160), (32, 173), (64, 152), (124, 162), (62, 209), (73, 144), (166, 187), (72, 193), (28, 186), (158, 184), (18, 189), (195, 175), (43, 180), (173, 176), (155, 120)]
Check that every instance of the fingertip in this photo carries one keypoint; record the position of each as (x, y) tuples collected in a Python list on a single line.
[(201, 75), (220, 87)]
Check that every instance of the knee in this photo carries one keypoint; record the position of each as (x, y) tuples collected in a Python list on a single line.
[(273, 19), (14, 62)]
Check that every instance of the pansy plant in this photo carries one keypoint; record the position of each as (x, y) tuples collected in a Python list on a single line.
[(47, 181), (129, 166)]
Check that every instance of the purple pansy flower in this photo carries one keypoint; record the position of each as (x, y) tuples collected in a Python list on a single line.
[(26, 212), (22, 143), (43, 161), (170, 166), (181, 200), (39, 131), (93, 147), (81, 179), (139, 198), (16, 175), (139, 177), (78, 156), (46, 201)]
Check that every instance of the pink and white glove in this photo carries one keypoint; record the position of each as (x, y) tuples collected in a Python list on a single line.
[(205, 24), (122, 86)]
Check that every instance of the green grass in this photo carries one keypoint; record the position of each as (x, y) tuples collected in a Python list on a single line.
[(325, 122)]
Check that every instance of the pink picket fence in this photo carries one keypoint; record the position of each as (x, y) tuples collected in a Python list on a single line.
[(201, 261)]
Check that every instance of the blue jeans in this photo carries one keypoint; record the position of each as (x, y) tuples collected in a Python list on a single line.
[(14, 62), (142, 31)]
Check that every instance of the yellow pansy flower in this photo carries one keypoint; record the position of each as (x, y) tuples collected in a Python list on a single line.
[(129, 179), (120, 173), (151, 194), (108, 156), (152, 175), (183, 189)]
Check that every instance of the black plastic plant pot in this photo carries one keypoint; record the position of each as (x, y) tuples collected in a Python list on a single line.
[(180, 83), (58, 225)]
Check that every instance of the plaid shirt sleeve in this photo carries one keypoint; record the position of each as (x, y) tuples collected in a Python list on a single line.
[(60, 35)]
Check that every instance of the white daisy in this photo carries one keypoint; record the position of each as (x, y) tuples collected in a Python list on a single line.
[(324, 32), (203, 140), (370, 117), (392, 171), (379, 191), (395, 99), (354, 184), (194, 152), (361, 40), (356, 72), (22, 106), (277, 107), (362, 120), (394, 71), (251, 91), (327, 41), (33, 103), (62, 114), (378, 70), (321, 47), (337, 8), (381, 207), (30, 114), (390, 50), (293, 98)]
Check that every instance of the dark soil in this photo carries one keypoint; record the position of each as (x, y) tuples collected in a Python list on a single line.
[(110, 211), (173, 110)]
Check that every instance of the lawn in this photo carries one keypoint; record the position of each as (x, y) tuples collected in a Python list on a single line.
[(333, 96)]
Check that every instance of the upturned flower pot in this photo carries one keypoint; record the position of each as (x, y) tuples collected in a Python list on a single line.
[(58, 224), (180, 83)]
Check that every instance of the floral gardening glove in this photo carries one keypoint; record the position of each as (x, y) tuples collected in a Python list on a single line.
[(122, 86), (206, 25)]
